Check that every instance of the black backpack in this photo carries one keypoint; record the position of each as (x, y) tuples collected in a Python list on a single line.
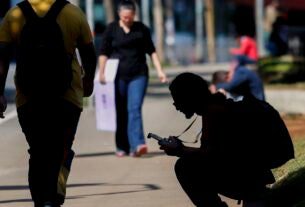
[(273, 144), (43, 66)]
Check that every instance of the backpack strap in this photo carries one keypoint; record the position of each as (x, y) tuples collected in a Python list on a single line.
[(57, 6), (27, 10)]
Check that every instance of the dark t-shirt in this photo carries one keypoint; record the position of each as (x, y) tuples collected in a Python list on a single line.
[(130, 48)]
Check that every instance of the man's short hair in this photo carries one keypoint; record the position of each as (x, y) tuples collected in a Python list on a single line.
[(219, 76), (189, 85)]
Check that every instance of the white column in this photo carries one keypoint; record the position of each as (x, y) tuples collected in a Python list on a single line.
[(89, 13), (145, 12), (259, 20)]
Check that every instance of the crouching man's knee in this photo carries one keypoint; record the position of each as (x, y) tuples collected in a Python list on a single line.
[(181, 168)]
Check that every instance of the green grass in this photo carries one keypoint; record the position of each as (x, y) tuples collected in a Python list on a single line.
[(283, 67), (295, 164), (289, 189)]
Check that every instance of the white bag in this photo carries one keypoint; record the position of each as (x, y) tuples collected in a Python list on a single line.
[(105, 98)]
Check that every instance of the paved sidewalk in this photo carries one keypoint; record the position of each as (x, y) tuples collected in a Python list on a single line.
[(98, 178)]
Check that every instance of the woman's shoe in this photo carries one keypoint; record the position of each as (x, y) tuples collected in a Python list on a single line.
[(120, 154), (133, 154), (141, 150)]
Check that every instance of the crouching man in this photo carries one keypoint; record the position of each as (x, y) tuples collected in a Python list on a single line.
[(230, 159)]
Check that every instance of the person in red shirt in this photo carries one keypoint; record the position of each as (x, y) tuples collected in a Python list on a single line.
[(247, 52)]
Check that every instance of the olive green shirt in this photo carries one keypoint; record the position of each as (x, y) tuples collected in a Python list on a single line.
[(76, 32)]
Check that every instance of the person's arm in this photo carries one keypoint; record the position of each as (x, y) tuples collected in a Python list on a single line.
[(213, 88), (155, 59), (87, 53), (151, 50), (238, 78), (88, 58), (105, 51), (242, 49), (101, 64), (4, 67)]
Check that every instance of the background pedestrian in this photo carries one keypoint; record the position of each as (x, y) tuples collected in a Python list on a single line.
[(129, 41)]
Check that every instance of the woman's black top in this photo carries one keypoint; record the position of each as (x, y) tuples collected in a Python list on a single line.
[(130, 48)]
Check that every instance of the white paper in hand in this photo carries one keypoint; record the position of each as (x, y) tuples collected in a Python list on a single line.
[(111, 69)]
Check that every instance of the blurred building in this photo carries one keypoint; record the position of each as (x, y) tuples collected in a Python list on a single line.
[(232, 17)]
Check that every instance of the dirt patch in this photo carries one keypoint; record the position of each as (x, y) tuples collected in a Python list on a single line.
[(295, 124)]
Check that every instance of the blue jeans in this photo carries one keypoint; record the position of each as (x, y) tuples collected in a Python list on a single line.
[(129, 100)]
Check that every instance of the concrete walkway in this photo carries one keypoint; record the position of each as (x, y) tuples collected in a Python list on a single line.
[(98, 178)]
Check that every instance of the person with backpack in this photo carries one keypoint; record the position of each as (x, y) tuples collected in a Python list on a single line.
[(241, 142), (50, 86)]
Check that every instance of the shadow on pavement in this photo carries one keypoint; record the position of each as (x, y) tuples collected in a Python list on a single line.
[(98, 154), (26, 187), (24, 200), (144, 187)]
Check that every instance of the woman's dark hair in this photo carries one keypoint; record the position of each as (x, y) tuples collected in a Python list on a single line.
[(127, 4)]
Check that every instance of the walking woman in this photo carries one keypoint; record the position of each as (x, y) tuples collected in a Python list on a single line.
[(129, 41)]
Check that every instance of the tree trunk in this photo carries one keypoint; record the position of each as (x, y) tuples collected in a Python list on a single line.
[(170, 32), (158, 26), (199, 31), (209, 17)]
